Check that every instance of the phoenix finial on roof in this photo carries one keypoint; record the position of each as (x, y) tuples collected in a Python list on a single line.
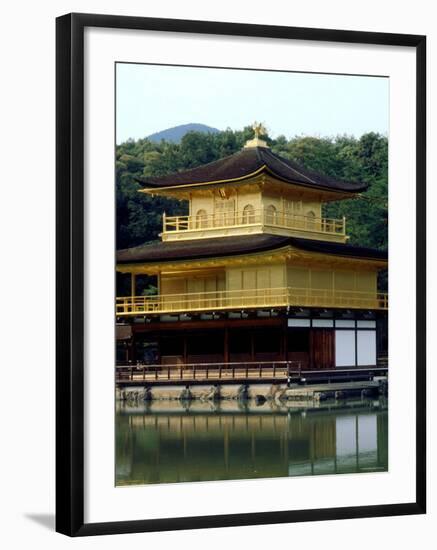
[(259, 129)]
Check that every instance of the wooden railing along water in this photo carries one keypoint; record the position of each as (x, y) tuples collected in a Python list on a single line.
[(258, 371)]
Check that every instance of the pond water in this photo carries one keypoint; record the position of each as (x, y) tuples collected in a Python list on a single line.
[(167, 441)]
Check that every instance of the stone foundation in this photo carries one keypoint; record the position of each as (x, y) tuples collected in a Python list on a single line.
[(257, 392)]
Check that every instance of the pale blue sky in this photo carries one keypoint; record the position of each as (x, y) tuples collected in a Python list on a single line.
[(151, 98)]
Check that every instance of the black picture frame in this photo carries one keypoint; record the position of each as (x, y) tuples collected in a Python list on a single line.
[(70, 273)]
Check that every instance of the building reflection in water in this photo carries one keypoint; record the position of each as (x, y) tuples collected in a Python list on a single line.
[(165, 442)]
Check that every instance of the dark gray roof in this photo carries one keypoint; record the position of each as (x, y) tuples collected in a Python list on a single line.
[(231, 246), (243, 164)]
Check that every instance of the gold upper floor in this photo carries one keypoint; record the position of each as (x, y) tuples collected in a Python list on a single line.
[(281, 278), (260, 205), (249, 192)]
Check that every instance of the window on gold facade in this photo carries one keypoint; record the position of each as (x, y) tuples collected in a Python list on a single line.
[(248, 214), (293, 214), (271, 214), (311, 220), (201, 219), (224, 212)]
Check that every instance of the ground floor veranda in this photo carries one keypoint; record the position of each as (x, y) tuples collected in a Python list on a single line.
[(308, 339)]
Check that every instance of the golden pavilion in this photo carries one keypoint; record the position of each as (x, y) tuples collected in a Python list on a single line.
[(253, 273)]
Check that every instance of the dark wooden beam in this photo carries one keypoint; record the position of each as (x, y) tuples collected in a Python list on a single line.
[(213, 324)]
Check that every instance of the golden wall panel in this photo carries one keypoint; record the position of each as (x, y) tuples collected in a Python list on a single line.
[(173, 285), (366, 281), (344, 280), (260, 277), (298, 277), (321, 279), (337, 279)]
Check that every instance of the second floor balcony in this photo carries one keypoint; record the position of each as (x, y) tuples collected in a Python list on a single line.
[(249, 299), (203, 225)]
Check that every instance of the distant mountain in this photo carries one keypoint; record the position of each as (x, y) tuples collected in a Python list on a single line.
[(177, 133)]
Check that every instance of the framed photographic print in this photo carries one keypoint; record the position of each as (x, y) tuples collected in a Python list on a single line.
[(240, 274)]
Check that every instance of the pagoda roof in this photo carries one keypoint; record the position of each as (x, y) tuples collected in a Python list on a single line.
[(247, 163), (170, 251)]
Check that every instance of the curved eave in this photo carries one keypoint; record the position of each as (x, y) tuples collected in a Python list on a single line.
[(169, 188), (150, 188), (285, 249), (126, 266), (317, 186), (281, 243)]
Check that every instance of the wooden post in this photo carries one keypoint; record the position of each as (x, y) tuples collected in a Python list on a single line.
[(285, 341), (158, 354), (226, 345), (132, 284), (132, 350)]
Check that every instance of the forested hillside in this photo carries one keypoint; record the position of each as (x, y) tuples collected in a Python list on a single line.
[(343, 157), (176, 133)]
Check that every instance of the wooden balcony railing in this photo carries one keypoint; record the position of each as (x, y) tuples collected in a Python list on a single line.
[(249, 299), (262, 217)]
